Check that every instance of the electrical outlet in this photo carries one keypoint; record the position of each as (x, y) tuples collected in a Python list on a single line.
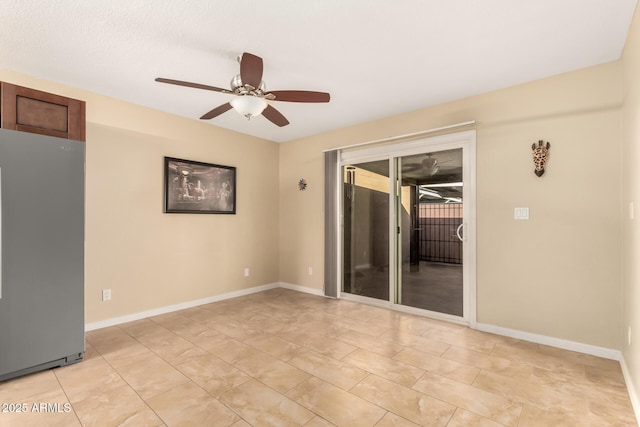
[(246, 272), (106, 295), (310, 271)]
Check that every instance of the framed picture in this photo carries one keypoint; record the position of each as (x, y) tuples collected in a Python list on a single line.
[(196, 187)]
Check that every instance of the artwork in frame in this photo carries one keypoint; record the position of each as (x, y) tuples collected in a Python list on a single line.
[(197, 187)]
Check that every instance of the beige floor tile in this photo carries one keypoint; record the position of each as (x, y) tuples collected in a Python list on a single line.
[(105, 334), (410, 404), (336, 372), (175, 355), (35, 400), (116, 344), (189, 405), (439, 365), (227, 349), (212, 374), (318, 422), (499, 365), (150, 376), (532, 394), (535, 417), (600, 363), (260, 405), (119, 406), (233, 329), (419, 343), (465, 338), (39, 419), (477, 401), (38, 387), (118, 347), (372, 344), (610, 378), (275, 373), (180, 325), (580, 385), (198, 314), (135, 353), (175, 349), (143, 327), (613, 413), (385, 367), (336, 405), (269, 324), (417, 325), (276, 346), (536, 359), (320, 344), (76, 380), (157, 337), (320, 326), (282, 357), (90, 352), (464, 418), (392, 420), (372, 328)]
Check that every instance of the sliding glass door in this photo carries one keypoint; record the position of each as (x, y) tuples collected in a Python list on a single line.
[(430, 218), (365, 205), (407, 214)]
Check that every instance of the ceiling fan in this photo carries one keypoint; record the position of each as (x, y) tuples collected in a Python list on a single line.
[(429, 165), (251, 93)]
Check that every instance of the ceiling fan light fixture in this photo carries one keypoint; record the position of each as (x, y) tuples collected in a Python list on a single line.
[(249, 105)]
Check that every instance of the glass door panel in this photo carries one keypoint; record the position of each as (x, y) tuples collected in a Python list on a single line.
[(429, 215), (365, 209)]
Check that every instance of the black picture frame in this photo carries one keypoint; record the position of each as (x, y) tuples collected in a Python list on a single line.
[(198, 187)]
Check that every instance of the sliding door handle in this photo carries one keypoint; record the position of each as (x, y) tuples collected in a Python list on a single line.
[(460, 237)]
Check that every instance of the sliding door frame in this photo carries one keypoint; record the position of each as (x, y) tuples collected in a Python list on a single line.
[(465, 140)]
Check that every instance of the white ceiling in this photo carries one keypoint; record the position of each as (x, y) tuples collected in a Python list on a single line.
[(377, 58)]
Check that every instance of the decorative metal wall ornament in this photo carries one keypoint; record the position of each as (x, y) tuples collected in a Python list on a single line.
[(540, 156), (302, 184)]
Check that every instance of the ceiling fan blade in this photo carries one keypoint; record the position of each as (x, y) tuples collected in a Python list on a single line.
[(274, 116), (299, 96), (216, 111), (251, 69), (193, 85)]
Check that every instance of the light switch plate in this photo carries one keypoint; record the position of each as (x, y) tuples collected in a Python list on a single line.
[(520, 213)]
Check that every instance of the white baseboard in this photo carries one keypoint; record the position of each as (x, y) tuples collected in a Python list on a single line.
[(633, 393), (175, 307), (498, 330), (304, 289), (593, 350)]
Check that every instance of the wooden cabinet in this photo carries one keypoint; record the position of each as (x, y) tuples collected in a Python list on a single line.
[(30, 110)]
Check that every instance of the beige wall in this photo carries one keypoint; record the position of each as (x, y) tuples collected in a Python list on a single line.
[(150, 259), (557, 274), (631, 193)]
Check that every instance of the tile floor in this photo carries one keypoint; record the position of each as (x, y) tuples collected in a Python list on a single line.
[(284, 358)]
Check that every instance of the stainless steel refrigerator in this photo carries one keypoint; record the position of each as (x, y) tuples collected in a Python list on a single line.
[(41, 252)]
